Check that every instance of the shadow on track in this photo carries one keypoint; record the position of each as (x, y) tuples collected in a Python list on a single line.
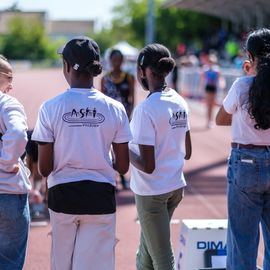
[(204, 183)]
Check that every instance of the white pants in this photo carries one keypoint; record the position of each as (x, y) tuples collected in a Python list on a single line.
[(82, 242)]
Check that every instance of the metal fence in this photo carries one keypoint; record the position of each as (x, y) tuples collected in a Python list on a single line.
[(189, 82)]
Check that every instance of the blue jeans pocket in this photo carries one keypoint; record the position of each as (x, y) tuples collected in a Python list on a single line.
[(13, 207), (246, 173)]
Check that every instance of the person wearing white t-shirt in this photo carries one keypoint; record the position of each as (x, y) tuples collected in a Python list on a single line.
[(75, 132), (14, 176), (247, 109), (161, 142)]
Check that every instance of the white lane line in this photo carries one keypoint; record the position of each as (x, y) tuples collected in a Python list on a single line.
[(205, 202)]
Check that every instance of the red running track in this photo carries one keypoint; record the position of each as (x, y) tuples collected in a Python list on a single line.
[(205, 195)]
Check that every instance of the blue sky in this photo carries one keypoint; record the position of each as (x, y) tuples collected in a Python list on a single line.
[(100, 10)]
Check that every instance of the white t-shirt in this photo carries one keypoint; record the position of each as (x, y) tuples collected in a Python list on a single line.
[(13, 128), (82, 124), (236, 103), (162, 121)]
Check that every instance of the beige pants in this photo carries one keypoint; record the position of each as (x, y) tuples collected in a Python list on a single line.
[(82, 242)]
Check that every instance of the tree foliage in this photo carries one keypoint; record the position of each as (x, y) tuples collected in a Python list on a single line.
[(27, 40), (172, 25)]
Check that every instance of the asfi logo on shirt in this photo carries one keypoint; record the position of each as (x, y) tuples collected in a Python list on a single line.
[(84, 117), (178, 119)]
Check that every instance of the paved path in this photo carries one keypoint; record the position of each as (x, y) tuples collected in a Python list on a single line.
[(205, 195)]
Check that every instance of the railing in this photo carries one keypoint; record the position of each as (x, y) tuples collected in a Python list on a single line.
[(189, 82)]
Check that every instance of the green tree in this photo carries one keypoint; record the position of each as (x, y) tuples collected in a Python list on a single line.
[(27, 40), (13, 7), (104, 39), (184, 26), (129, 21), (172, 25), (120, 28)]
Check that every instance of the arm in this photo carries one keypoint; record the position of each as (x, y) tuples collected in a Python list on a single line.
[(146, 160), (223, 118), (188, 145), (45, 158), (14, 138), (121, 157)]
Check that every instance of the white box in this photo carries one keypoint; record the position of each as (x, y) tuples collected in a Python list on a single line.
[(196, 236)]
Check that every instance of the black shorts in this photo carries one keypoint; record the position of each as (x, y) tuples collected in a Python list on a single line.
[(210, 88)]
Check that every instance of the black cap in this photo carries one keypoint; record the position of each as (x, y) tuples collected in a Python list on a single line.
[(79, 52)]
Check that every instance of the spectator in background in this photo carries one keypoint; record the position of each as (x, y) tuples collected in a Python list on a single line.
[(209, 81), (174, 78), (38, 194), (31, 159), (119, 85), (232, 48), (14, 182)]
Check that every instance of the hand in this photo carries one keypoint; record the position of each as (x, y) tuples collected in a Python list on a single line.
[(16, 168)]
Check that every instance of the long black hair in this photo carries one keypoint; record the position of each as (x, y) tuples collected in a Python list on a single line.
[(258, 46)]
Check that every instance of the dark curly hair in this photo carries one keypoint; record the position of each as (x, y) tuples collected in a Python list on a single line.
[(258, 45), (158, 58), (94, 68)]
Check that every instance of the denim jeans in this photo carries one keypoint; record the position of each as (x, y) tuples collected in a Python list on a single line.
[(155, 212), (248, 206), (14, 227)]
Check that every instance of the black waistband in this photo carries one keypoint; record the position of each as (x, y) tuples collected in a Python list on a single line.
[(249, 146), (82, 198)]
